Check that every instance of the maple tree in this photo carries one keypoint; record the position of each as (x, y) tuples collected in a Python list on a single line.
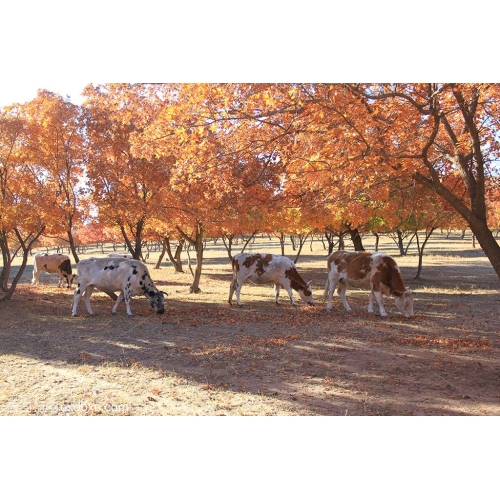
[(186, 162), (23, 211), (55, 144), (125, 188), (216, 177), (434, 130)]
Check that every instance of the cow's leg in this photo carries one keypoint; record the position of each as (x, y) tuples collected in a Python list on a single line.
[(76, 299), (277, 288), (36, 276), (231, 291), (378, 296), (127, 302), (86, 291), (342, 292), (370, 302), (331, 284), (238, 291), (287, 287), (86, 296), (119, 299)]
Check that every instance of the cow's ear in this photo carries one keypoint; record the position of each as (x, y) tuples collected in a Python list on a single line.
[(309, 282)]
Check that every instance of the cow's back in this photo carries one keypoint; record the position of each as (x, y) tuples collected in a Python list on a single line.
[(108, 273), (49, 262)]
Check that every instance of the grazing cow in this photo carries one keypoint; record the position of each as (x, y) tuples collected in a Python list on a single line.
[(122, 255), (373, 270), (130, 277), (53, 263), (266, 268)]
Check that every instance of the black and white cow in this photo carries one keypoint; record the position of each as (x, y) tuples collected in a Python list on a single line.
[(376, 271), (267, 268), (123, 255), (129, 277), (53, 263)]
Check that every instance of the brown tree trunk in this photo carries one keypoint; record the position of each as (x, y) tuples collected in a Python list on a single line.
[(421, 251), (356, 239), (26, 252), (197, 243), (72, 246), (227, 239), (302, 240), (175, 259)]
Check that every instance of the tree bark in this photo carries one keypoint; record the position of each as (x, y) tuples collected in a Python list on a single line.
[(356, 239), (421, 251), (197, 243)]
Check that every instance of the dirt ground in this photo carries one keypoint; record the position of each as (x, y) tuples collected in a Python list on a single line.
[(204, 357)]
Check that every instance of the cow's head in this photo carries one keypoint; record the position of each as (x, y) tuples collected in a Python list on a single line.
[(306, 293), (69, 278), (157, 300), (404, 302)]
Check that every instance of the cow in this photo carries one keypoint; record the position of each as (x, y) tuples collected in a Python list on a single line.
[(374, 270), (267, 268), (129, 277), (53, 263), (122, 255)]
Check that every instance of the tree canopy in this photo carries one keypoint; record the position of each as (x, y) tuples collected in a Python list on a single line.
[(197, 160)]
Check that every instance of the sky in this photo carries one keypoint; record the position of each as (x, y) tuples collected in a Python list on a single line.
[(62, 47), (26, 90)]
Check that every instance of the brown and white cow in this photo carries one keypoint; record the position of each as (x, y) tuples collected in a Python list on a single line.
[(373, 270), (110, 275), (267, 268), (53, 263)]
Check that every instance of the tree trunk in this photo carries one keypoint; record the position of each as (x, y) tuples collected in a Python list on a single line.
[(227, 239), (197, 243), (26, 252), (248, 240), (162, 253), (302, 240), (281, 237), (487, 242), (331, 245), (175, 259), (356, 239), (400, 242), (341, 241), (421, 251), (377, 239), (195, 287), (72, 246)]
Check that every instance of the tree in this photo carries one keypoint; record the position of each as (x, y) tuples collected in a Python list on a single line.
[(433, 130), (22, 190), (126, 188), (55, 144)]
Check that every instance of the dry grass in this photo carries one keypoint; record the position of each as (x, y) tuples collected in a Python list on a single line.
[(204, 357)]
